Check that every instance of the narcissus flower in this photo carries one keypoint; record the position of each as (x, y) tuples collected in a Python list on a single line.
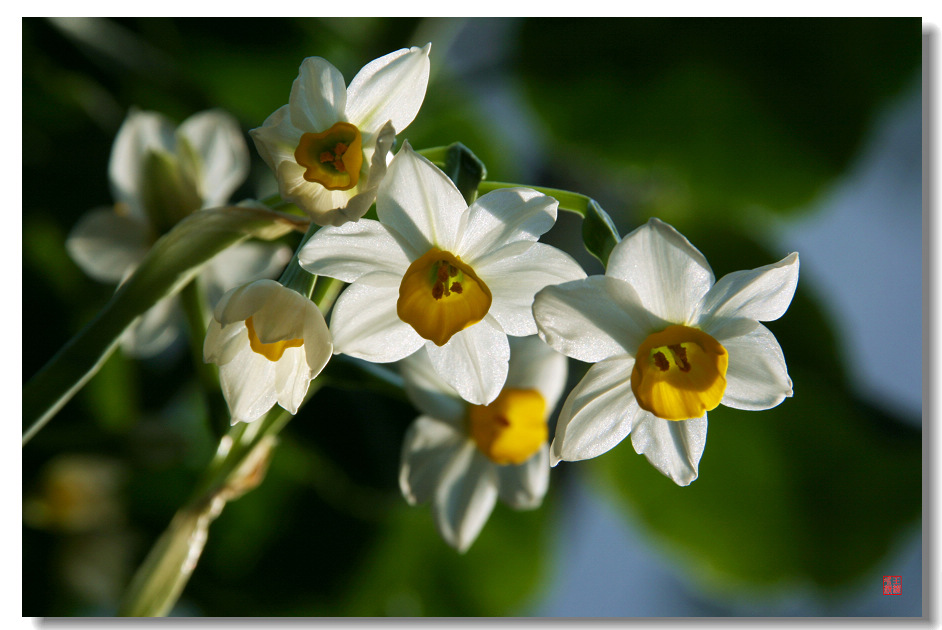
[(434, 272), (159, 174), (269, 342), (463, 457), (329, 145), (668, 345)]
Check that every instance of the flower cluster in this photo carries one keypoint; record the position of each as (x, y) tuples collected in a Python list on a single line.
[(477, 314)]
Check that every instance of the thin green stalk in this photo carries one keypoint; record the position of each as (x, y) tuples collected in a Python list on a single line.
[(194, 309)]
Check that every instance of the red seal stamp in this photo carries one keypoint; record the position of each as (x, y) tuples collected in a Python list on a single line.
[(892, 585)]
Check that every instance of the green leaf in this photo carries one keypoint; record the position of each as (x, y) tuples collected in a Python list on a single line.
[(172, 262), (410, 571), (460, 165), (599, 232), (815, 490)]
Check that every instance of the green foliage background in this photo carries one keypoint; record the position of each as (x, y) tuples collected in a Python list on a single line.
[(712, 125)]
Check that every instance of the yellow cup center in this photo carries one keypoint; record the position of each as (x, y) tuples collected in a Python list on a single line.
[(332, 158), (271, 351), (440, 296), (512, 428), (679, 373)]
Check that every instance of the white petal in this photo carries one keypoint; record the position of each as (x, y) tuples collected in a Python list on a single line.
[(593, 319), (761, 294), (155, 330), (390, 88), (465, 497), (364, 323), (292, 378), (238, 304), (248, 385), (321, 204), (757, 377), (277, 139), (420, 203), (217, 138), (140, 133), (523, 487), (534, 365), (284, 315), (672, 446), (222, 344), (474, 361), (669, 274), (515, 273), (427, 449), (352, 250), (241, 264), (318, 343), (318, 96), (107, 245), (505, 216), (428, 392), (597, 414)]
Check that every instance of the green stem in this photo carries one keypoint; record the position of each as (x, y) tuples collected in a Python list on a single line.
[(436, 155), (599, 234), (207, 373), (162, 576), (568, 200)]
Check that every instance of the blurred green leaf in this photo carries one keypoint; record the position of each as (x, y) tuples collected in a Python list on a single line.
[(172, 262), (816, 489), (719, 115), (410, 571)]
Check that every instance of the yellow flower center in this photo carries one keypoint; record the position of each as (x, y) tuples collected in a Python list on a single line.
[(271, 351), (440, 296), (679, 373), (512, 428), (332, 158)]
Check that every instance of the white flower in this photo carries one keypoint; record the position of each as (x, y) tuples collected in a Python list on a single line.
[(463, 457), (329, 145), (158, 175), (668, 346), (434, 272), (269, 342)]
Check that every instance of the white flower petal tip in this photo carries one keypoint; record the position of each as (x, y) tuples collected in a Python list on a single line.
[(354, 126), (269, 343), (452, 454), (669, 346)]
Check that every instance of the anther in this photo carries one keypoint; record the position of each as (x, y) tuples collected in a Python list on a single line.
[(680, 357), (661, 361)]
